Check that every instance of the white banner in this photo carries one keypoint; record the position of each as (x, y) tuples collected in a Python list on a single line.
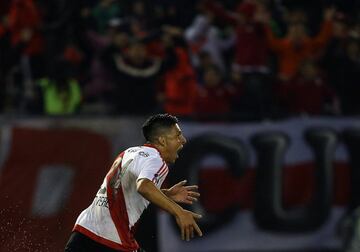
[(242, 234)]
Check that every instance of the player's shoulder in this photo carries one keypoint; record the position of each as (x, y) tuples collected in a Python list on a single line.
[(143, 152)]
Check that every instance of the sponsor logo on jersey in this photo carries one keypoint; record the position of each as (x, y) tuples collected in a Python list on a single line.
[(144, 154)]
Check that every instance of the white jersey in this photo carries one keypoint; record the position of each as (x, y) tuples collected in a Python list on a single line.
[(117, 207)]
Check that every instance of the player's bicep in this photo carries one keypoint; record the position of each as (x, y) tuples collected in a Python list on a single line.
[(141, 184)]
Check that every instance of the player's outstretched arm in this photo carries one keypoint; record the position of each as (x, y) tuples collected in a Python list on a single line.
[(184, 218), (182, 194)]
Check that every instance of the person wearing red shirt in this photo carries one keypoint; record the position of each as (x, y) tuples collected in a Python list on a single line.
[(213, 97), (180, 86), (24, 23), (307, 93), (297, 46)]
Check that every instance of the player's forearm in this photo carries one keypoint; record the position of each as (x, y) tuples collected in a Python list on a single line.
[(158, 197)]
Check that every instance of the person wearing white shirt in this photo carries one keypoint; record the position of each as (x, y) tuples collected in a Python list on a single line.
[(133, 181)]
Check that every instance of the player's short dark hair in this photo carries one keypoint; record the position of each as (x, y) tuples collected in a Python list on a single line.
[(155, 125)]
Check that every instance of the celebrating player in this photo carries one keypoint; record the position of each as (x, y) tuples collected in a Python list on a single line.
[(132, 182)]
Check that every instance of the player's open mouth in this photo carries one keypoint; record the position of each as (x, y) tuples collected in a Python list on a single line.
[(180, 148)]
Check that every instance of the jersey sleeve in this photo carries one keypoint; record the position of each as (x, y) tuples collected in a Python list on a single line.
[(150, 168)]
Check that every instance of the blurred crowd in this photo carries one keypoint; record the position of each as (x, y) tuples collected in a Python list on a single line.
[(199, 59)]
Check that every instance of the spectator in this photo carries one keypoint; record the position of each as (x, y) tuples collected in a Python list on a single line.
[(345, 76), (141, 22), (105, 11), (24, 26), (135, 75), (25, 54), (251, 50), (251, 53), (180, 84), (101, 83), (308, 92), (213, 97), (61, 94), (297, 46), (342, 63), (205, 61), (336, 47), (204, 37)]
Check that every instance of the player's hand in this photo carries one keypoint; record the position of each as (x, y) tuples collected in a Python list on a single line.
[(183, 194), (187, 224)]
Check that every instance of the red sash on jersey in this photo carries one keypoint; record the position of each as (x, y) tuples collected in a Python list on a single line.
[(118, 212)]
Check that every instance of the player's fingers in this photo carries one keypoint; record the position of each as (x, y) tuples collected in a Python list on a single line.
[(196, 216), (181, 183), (194, 194), (197, 229), (182, 233), (187, 233), (192, 187), (186, 201), (192, 232), (191, 199)]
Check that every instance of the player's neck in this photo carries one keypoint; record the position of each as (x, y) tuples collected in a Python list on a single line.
[(158, 148)]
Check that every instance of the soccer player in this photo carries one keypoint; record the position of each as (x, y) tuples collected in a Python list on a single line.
[(132, 182)]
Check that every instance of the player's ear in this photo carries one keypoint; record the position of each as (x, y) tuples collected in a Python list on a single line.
[(162, 140)]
